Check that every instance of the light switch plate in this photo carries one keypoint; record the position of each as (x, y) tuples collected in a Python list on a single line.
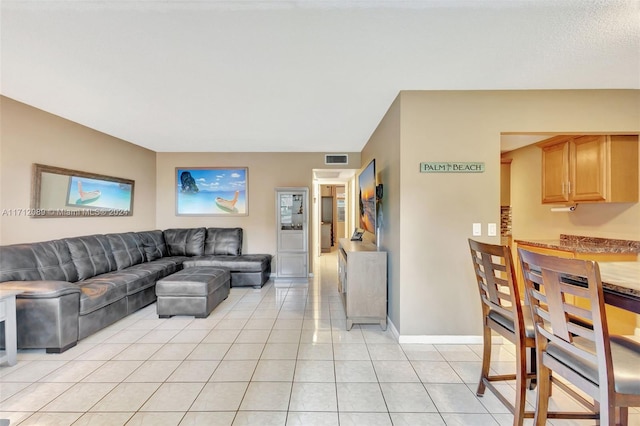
[(492, 229), (477, 229)]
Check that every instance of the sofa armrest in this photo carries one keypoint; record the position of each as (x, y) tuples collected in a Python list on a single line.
[(46, 314), (41, 289)]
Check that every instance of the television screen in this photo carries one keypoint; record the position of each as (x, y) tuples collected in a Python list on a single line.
[(367, 197)]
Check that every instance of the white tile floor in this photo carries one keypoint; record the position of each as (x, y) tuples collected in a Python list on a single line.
[(275, 356)]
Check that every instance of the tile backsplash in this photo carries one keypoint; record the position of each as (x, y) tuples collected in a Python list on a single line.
[(505, 220)]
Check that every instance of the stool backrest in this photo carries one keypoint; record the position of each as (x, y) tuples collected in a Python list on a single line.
[(568, 310), (496, 281)]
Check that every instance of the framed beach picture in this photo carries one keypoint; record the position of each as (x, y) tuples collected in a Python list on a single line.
[(212, 191)]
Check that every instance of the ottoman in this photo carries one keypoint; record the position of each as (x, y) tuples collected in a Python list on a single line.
[(192, 291)]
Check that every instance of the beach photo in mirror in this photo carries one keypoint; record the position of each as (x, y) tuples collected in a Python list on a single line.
[(98, 193)]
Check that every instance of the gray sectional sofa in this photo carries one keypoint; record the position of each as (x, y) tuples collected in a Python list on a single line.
[(76, 286)]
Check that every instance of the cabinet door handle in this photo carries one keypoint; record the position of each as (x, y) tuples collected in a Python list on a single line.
[(569, 188)]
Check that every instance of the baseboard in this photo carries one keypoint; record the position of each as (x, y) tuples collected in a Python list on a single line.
[(444, 340), (392, 328)]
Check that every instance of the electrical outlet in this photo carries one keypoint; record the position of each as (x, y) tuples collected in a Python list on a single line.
[(492, 229), (477, 229)]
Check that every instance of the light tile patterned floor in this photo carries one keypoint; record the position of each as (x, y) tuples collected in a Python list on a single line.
[(275, 356)]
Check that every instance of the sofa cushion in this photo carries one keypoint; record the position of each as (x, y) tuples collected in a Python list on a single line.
[(154, 245), (244, 263), (185, 242), (99, 292), (91, 255), (158, 268), (173, 263), (133, 279), (49, 260), (223, 241), (126, 248)]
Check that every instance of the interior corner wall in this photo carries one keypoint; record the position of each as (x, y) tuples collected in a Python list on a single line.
[(29, 135), (266, 171), (384, 147), (434, 280)]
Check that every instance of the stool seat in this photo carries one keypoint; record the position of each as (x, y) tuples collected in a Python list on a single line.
[(192, 291)]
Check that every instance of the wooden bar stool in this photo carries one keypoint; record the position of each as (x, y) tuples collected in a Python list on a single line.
[(504, 313), (573, 340)]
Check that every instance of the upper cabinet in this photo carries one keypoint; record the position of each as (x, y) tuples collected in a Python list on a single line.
[(592, 168)]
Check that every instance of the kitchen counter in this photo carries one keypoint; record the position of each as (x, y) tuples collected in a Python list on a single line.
[(580, 244), (619, 270), (620, 284), (623, 277)]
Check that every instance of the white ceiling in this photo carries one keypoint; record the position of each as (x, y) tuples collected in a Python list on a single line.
[(244, 75)]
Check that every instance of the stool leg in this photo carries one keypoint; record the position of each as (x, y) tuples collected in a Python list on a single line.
[(521, 385), (542, 401), (531, 367), (486, 360)]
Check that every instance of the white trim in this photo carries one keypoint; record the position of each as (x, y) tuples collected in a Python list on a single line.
[(392, 328), (437, 339), (445, 340)]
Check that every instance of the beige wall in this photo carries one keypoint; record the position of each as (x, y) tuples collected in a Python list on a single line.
[(266, 170), (433, 276), (29, 135), (384, 145)]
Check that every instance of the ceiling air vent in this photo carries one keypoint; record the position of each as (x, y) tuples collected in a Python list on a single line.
[(336, 159)]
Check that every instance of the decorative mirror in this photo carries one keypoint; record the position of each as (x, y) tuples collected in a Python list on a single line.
[(58, 192)]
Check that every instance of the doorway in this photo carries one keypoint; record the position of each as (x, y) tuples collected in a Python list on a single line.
[(332, 216), (333, 208)]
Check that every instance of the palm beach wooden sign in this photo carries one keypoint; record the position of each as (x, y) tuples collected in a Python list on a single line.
[(451, 167)]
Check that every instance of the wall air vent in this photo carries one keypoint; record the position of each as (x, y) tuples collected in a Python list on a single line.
[(336, 159)]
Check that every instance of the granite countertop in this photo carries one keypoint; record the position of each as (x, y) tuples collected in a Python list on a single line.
[(623, 277), (580, 244)]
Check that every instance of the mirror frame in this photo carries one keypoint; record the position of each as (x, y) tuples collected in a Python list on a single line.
[(37, 211)]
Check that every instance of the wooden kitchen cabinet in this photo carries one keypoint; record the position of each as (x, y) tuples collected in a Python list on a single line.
[(591, 168)]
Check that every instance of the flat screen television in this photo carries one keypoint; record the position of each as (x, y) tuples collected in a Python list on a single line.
[(367, 198)]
